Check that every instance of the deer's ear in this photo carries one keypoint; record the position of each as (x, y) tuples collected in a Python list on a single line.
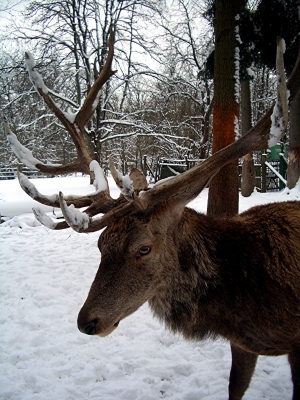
[(139, 181), (167, 213)]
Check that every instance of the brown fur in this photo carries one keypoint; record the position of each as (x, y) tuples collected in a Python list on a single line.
[(237, 278)]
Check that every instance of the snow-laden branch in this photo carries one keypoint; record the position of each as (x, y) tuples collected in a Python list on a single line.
[(279, 117), (63, 98), (148, 132), (24, 126), (153, 74), (19, 97)]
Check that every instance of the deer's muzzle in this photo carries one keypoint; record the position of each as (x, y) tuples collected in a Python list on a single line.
[(96, 326)]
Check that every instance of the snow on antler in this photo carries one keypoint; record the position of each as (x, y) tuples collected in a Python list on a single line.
[(43, 218), (31, 190), (123, 182), (22, 153), (74, 217), (34, 76), (100, 181)]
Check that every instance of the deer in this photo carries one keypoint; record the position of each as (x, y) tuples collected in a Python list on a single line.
[(237, 278)]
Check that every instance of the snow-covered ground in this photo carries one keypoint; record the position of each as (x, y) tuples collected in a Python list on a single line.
[(45, 278)]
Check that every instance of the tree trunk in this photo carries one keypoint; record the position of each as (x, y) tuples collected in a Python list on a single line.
[(204, 150), (223, 188), (293, 170), (248, 170)]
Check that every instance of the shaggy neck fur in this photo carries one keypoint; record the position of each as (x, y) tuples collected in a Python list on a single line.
[(227, 278)]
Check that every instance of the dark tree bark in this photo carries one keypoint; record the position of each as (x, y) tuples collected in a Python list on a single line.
[(293, 171), (223, 188), (248, 170)]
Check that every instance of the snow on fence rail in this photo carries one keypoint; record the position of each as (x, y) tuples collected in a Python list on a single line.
[(275, 172), (8, 172)]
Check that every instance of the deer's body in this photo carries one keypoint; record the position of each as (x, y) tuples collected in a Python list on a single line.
[(238, 278)]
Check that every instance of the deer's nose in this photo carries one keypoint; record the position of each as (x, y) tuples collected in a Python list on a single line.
[(90, 329)]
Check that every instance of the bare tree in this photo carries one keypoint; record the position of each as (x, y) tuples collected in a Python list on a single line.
[(74, 35), (223, 190)]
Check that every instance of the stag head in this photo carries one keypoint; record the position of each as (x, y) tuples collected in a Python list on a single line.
[(138, 253)]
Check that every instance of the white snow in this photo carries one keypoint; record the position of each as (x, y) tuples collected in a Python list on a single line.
[(276, 125), (237, 61), (45, 277), (23, 154), (283, 45), (100, 181), (70, 116), (96, 101), (75, 217), (43, 218), (279, 117), (127, 189), (237, 133)]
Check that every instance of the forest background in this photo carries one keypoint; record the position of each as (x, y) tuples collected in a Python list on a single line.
[(160, 101)]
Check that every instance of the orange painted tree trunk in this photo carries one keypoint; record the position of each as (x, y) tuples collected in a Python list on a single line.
[(223, 188)]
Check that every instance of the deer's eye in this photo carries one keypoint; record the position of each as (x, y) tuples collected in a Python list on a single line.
[(144, 250)]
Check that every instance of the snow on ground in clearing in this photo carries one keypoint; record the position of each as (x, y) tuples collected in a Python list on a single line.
[(45, 278)]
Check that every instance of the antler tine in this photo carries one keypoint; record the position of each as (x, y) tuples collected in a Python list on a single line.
[(130, 185), (123, 182), (96, 202), (47, 221), (82, 222), (52, 200), (81, 164), (91, 101), (101, 203), (75, 218)]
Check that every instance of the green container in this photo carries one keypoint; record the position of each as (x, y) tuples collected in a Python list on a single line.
[(274, 153)]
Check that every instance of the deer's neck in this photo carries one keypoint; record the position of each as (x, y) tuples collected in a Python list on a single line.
[(203, 285), (193, 276)]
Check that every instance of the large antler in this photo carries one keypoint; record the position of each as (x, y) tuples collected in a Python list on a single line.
[(99, 201), (74, 123), (182, 188), (185, 187)]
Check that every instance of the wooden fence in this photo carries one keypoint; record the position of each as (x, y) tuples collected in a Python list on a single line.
[(270, 175)]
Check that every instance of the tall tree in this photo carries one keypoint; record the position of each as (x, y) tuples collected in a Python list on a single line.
[(223, 188), (281, 18), (248, 169), (247, 33)]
